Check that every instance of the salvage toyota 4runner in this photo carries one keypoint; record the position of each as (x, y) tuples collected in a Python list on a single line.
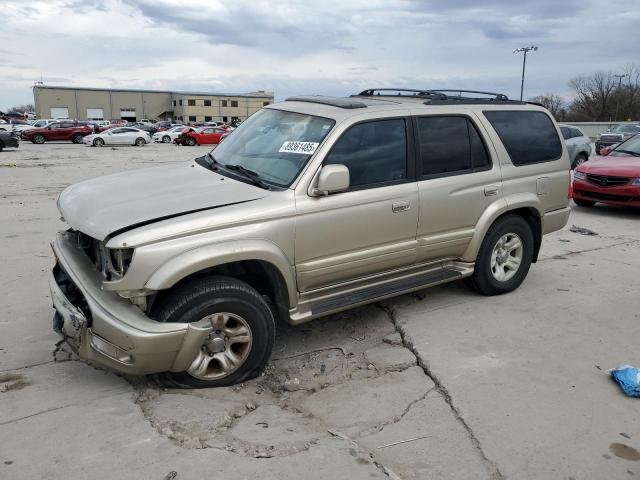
[(312, 206)]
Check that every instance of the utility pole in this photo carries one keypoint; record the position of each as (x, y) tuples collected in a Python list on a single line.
[(525, 50), (619, 76)]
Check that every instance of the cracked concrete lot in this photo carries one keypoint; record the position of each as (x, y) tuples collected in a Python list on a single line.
[(441, 384)]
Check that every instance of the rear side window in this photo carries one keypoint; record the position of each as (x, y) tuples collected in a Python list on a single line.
[(528, 136), (374, 152), (575, 132), (450, 145)]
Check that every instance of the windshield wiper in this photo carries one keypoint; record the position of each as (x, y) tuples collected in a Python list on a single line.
[(635, 154), (250, 174)]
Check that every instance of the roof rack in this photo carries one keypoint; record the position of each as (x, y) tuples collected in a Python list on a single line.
[(333, 101), (438, 96)]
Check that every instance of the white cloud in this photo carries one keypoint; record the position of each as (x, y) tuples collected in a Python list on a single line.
[(330, 47)]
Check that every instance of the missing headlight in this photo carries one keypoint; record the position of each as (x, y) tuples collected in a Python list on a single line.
[(119, 261)]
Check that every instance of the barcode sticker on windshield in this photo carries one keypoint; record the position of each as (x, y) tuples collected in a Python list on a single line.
[(306, 148)]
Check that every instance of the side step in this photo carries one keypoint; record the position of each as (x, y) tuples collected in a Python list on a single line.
[(368, 294)]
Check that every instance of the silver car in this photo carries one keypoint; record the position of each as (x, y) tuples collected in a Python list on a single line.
[(578, 144)]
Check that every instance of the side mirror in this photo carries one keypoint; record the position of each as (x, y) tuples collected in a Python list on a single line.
[(332, 179), (605, 151)]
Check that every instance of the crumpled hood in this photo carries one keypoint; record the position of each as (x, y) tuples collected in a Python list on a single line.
[(104, 205), (613, 166)]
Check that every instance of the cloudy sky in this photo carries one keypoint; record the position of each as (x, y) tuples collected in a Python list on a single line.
[(291, 47)]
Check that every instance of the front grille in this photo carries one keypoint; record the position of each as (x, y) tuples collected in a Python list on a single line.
[(607, 196), (606, 180)]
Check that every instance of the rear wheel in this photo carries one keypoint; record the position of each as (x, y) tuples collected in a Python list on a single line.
[(39, 139), (584, 203), (140, 141), (191, 141), (241, 331), (166, 139), (580, 159), (504, 258)]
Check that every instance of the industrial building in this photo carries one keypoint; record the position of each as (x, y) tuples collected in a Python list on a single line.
[(135, 105)]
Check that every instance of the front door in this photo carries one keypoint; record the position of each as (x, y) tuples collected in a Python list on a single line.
[(457, 181), (370, 228)]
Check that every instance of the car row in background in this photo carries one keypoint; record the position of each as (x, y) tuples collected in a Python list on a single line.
[(578, 144), (119, 136), (616, 134), (612, 178), (8, 140)]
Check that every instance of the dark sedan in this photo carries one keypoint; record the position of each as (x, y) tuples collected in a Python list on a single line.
[(8, 140)]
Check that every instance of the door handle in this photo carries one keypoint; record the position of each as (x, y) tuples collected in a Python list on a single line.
[(402, 206), (490, 190)]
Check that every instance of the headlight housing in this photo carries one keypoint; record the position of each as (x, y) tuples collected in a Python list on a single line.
[(579, 175)]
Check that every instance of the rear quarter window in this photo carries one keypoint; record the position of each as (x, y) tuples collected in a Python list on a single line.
[(529, 136)]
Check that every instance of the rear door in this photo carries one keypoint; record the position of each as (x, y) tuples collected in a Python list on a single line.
[(458, 178)]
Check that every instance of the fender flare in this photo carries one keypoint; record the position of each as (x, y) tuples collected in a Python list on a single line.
[(493, 212), (216, 254)]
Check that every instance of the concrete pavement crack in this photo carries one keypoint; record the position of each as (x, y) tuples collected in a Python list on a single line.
[(595, 249), (492, 467)]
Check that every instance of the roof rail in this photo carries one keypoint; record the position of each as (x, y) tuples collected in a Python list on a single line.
[(333, 101), (440, 96)]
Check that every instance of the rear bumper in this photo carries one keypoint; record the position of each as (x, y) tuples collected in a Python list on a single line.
[(624, 196), (106, 329)]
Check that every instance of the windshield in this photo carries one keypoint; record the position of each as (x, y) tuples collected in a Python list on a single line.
[(274, 144), (629, 148)]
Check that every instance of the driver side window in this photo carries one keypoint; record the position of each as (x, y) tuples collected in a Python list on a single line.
[(374, 152)]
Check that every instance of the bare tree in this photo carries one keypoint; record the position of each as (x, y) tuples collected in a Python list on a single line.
[(22, 108), (552, 102)]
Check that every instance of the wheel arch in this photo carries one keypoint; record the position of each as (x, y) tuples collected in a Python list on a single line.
[(527, 208), (261, 264)]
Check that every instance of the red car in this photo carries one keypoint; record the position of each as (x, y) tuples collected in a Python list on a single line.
[(62, 130), (612, 178), (201, 136)]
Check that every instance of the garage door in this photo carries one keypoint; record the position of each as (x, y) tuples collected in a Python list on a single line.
[(128, 114), (95, 114), (59, 112)]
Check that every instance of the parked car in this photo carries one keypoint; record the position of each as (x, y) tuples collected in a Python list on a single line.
[(147, 127), (43, 122), (8, 140), (612, 178), (168, 136), (61, 130), (119, 136), (315, 205), (578, 144), (201, 136), (616, 134), (13, 125)]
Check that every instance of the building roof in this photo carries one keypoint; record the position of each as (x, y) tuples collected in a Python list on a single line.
[(258, 94)]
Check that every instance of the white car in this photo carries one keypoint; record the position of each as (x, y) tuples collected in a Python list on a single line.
[(10, 126), (119, 136), (168, 136), (43, 122)]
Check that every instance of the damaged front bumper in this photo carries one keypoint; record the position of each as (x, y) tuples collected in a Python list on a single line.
[(106, 329)]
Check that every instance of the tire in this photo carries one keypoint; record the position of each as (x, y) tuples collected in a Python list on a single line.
[(98, 142), (77, 139), (580, 159), (201, 299), (584, 203), (39, 139), (191, 141), (484, 280), (140, 142), (166, 139), (1, 145)]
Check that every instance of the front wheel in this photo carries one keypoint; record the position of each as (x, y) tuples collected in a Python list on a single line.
[(504, 258), (77, 139), (241, 331), (191, 141), (98, 142)]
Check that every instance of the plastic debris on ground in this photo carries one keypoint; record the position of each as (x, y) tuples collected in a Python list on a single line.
[(628, 378), (582, 230)]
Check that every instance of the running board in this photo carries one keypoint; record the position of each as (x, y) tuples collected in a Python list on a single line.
[(377, 292)]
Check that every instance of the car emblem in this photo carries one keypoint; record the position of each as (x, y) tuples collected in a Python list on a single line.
[(604, 181)]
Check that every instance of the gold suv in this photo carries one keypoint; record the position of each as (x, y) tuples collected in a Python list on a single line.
[(312, 206)]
